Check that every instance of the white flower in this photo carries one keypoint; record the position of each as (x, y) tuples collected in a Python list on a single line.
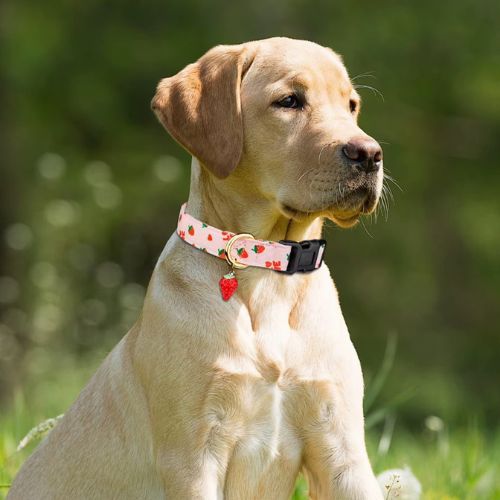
[(400, 484)]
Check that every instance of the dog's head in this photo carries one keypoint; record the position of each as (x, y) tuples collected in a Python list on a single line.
[(281, 116)]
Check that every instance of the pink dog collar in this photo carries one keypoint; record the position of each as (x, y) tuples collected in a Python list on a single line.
[(243, 250)]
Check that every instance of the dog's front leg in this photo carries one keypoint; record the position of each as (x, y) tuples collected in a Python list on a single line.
[(190, 477), (192, 458), (337, 465), (335, 458), (352, 481)]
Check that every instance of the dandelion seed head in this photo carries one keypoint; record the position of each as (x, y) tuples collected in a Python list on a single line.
[(400, 484)]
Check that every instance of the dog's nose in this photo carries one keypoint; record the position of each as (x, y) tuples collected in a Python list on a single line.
[(364, 153)]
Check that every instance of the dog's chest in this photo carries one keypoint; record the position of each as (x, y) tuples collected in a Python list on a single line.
[(273, 385), (250, 431), (252, 401)]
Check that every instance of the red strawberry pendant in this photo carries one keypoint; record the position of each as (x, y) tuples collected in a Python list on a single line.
[(228, 285)]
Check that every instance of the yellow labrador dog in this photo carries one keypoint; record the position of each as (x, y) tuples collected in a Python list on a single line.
[(210, 399)]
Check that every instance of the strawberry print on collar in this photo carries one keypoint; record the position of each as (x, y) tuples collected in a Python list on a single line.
[(243, 250)]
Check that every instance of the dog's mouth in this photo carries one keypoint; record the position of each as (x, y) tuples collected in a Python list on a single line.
[(345, 211)]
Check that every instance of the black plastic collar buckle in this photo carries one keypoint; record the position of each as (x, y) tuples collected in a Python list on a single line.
[(303, 255)]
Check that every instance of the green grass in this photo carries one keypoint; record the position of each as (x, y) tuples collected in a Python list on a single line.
[(463, 466), (451, 464)]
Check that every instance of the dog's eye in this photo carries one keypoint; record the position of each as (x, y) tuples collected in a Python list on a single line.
[(353, 106), (292, 101)]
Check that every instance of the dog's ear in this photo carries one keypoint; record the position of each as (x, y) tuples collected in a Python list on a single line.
[(201, 107)]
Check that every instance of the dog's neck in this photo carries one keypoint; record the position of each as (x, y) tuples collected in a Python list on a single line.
[(215, 202), (222, 205)]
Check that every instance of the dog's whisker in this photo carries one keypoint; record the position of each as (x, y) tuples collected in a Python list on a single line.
[(366, 230), (391, 179), (368, 74), (341, 194), (386, 203), (386, 188), (380, 206), (332, 143), (320, 153), (383, 207), (383, 203), (373, 89), (304, 174)]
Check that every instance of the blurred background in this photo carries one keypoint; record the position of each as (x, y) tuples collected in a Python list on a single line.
[(91, 186)]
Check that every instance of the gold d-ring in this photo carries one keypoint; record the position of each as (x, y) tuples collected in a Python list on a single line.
[(229, 247)]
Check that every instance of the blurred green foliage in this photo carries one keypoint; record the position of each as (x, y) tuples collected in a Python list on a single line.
[(91, 184)]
